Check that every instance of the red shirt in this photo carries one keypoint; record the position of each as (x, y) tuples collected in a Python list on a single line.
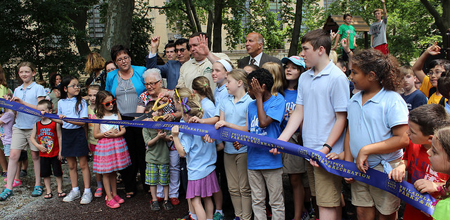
[(47, 136), (418, 167)]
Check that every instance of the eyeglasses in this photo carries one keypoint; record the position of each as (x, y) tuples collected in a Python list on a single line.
[(77, 86), (437, 73), (181, 50), (122, 59), (152, 83), (107, 104)]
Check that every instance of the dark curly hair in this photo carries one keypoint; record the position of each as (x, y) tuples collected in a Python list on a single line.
[(386, 68), (263, 76)]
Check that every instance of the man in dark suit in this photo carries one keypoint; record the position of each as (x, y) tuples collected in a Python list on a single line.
[(254, 46)]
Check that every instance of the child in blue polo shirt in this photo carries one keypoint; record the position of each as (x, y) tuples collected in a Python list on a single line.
[(29, 94), (264, 169)]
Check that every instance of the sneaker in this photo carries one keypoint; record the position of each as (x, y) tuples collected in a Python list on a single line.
[(305, 216), (4, 174), (16, 183), (218, 216), (187, 217), (159, 199), (112, 204), (5, 194), (98, 193), (72, 196), (167, 205), (154, 205), (118, 199), (23, 173), (86, 198), (37, 191), (174, 201)]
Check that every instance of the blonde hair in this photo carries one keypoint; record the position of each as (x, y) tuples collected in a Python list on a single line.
[(183, 93), (239, 74), (202, 85), (196, 108), (94, 63), (27, 64), (406, 71), (333, 56), (378, 9), (279, 80)]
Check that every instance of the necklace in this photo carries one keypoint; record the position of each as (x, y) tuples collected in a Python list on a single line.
[(124, 84)]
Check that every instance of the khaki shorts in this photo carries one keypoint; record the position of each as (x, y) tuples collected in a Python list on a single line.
[(364, 195), (326, 187), (21, 139), (293, 164)]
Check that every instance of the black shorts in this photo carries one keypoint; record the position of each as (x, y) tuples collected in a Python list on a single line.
[(47, 163), (23, 156)]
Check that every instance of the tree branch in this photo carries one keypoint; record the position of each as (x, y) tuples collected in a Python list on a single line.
[(437, 17)]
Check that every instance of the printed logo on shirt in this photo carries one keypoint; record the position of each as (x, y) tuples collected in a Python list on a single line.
[(254, 127), (47, 141), (208, 70)]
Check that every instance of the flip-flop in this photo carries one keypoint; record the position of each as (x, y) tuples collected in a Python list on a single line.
[(61, 195), (48, 196)]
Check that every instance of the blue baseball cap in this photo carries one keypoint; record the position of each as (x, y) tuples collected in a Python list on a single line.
[(294, 59)]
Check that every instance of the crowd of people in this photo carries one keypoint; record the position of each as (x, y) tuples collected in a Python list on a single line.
[(362, 108)]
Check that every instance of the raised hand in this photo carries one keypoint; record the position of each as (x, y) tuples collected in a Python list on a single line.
[(434, 49), (202, 48), (155, 43)]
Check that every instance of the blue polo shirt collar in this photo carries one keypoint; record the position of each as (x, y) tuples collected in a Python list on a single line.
[(243, 99), (28, 87), (375, 99), (324, 72)]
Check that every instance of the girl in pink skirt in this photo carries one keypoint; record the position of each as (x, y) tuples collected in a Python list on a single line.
[(200, 159), (111, 152)]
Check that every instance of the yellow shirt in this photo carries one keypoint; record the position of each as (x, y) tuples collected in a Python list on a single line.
[(426, 86)]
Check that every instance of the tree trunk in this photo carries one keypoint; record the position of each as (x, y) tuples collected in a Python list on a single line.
[(80, 20), (195, 16), (189, 13), (442, 22), (118, 25), (217, 30), (296, 30), (209, 27)]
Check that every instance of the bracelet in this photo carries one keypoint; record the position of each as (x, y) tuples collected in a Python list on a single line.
[(173, 114), (327, 146)]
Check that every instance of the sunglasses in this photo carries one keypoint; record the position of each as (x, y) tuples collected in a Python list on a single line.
[(181, 50), (107, 104)]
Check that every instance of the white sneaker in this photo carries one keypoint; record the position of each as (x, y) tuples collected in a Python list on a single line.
[(86, 198), (72, 196)]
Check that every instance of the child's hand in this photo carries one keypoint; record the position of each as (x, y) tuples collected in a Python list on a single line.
[(397, 174), (220, 124), (382, 1), (7, 97), (425, 186), (208, 139), (169, 138), (195, 119), (175, 131), (361, 161), (333, 35), (236, 145), (220, 146), (16, 99), (274, 151), (42, 148), (313, 163), (349, 180), (43, 112), (169, 117), (257, 89), (59, 156), (62, 116), (434, 49), (332, 156), (161, 134)]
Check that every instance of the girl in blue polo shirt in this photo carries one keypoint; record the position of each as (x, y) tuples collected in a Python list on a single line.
[(200, 157), (74, 143), (377, 124)]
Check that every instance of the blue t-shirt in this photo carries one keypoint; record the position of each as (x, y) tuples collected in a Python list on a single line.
[(259, 158), (200, 156), (209, 109), (415, 99), (290, 96), (235, 113), (373, 122)]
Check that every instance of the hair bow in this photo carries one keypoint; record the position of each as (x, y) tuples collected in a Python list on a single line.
[(185, 107)]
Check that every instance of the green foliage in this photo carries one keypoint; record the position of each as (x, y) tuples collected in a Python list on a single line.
[(410, 27), (141, 31), (40, 31)]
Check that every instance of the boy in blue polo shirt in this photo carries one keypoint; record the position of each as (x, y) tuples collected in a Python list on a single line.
[(323, 94), (29, 94), (264, 169)]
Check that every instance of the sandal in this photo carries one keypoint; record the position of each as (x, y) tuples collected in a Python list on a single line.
[(5, 194), (61, 195), (130, 195), (37, 191), (48, 196)]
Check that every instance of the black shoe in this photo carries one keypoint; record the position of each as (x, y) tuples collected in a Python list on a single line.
[(167, 205), (155, 206), (23, 173)]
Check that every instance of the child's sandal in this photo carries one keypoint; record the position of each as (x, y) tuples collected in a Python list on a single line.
[(37, 191), (48, 196), (61, 195), (5, 194)]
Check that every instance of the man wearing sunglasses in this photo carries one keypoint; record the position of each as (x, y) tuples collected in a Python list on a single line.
[(171, 69)]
